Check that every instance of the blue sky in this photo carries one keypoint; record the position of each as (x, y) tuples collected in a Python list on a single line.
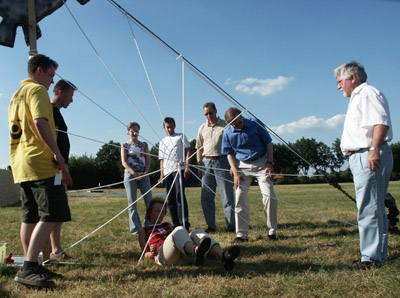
[(274, 57)]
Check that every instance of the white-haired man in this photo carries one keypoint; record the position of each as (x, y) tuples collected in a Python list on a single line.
[(367, 129)]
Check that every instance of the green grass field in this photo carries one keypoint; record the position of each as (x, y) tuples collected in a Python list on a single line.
[(312, 257)]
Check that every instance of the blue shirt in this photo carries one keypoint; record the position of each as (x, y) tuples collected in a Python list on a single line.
[(245, 144)]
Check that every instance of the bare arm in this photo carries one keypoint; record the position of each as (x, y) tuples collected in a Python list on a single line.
[(269, 169), (142, 241), (186, 173), (237, 177), (46, 134), (199, 159), (378, 136), (161, 172)]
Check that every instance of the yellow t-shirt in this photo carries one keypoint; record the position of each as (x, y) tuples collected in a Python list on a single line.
[(31, 158)]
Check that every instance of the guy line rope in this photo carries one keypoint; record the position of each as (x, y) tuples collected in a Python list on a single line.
[(185, 62)]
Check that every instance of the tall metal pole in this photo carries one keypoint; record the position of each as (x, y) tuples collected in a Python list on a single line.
[(32, 28)]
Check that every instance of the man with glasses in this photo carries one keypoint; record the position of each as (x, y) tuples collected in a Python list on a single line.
[(367, 129), (250, 154), (215, 169)]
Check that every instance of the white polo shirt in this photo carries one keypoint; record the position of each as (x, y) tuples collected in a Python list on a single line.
[(171, 150), (367, 107)]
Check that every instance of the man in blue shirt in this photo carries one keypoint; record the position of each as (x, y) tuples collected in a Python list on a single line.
[(250, 154)]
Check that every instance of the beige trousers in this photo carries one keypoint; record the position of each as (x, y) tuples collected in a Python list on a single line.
[(249, 171), (172, 251)]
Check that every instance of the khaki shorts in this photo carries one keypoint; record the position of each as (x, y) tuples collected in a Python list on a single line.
[(44, 201)]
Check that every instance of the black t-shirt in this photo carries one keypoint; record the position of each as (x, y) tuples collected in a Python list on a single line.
[(62, 138)]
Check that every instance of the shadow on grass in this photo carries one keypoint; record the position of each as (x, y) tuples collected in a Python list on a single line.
[(313, 225), (244, 268), (3, 293), (14, 204), (330, 229)]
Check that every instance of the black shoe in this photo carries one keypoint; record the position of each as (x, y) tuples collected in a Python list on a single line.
[(233, 253), (208, 230), (230, 230), (48, 273), (240, 240), (201, 251), (272, 237), (365, 265), (33, 277)]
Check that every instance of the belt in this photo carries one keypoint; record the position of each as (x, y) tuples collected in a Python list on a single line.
[(349, 153), (257, 158), (362, 149), (214, 157)]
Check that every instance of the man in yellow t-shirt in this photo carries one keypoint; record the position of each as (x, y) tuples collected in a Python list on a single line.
[(36, 163)]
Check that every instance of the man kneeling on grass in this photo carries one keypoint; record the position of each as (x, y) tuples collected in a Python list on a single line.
[(169, 246)]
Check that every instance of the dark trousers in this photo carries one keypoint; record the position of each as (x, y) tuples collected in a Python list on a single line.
[(175, 200)]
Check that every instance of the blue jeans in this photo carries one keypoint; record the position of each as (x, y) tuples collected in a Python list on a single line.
[(131, 191), (175, 200), (214, 174), (371, 190)]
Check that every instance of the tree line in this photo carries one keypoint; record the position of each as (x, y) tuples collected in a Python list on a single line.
[(105, 168)]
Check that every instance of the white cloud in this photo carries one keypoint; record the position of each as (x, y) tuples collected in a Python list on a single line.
[(262, 87), (310, 123), (190, 122)]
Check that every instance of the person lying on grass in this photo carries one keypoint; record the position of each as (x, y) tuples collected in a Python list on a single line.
[(169, 246)]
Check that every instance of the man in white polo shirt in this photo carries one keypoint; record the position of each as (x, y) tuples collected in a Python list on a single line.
[(367, 129)]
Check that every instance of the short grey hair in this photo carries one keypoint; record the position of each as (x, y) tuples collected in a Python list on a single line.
[(345, 71)]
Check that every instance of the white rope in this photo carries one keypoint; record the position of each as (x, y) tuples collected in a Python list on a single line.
[(96, 104), (204, 77), (234, 210), (184, 62), (280, 200), (107, 222), (182, 194), (109, 71), (110, 185), (145, 68)]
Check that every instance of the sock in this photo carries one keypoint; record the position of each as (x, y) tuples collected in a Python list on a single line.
[(29, 265)]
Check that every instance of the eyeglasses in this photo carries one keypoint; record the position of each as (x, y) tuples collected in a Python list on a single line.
[(340, 82)]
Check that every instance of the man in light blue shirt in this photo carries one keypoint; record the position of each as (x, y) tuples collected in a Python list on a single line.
[(250, 154)]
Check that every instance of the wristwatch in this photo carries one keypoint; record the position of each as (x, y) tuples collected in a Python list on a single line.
[(373, 149)]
